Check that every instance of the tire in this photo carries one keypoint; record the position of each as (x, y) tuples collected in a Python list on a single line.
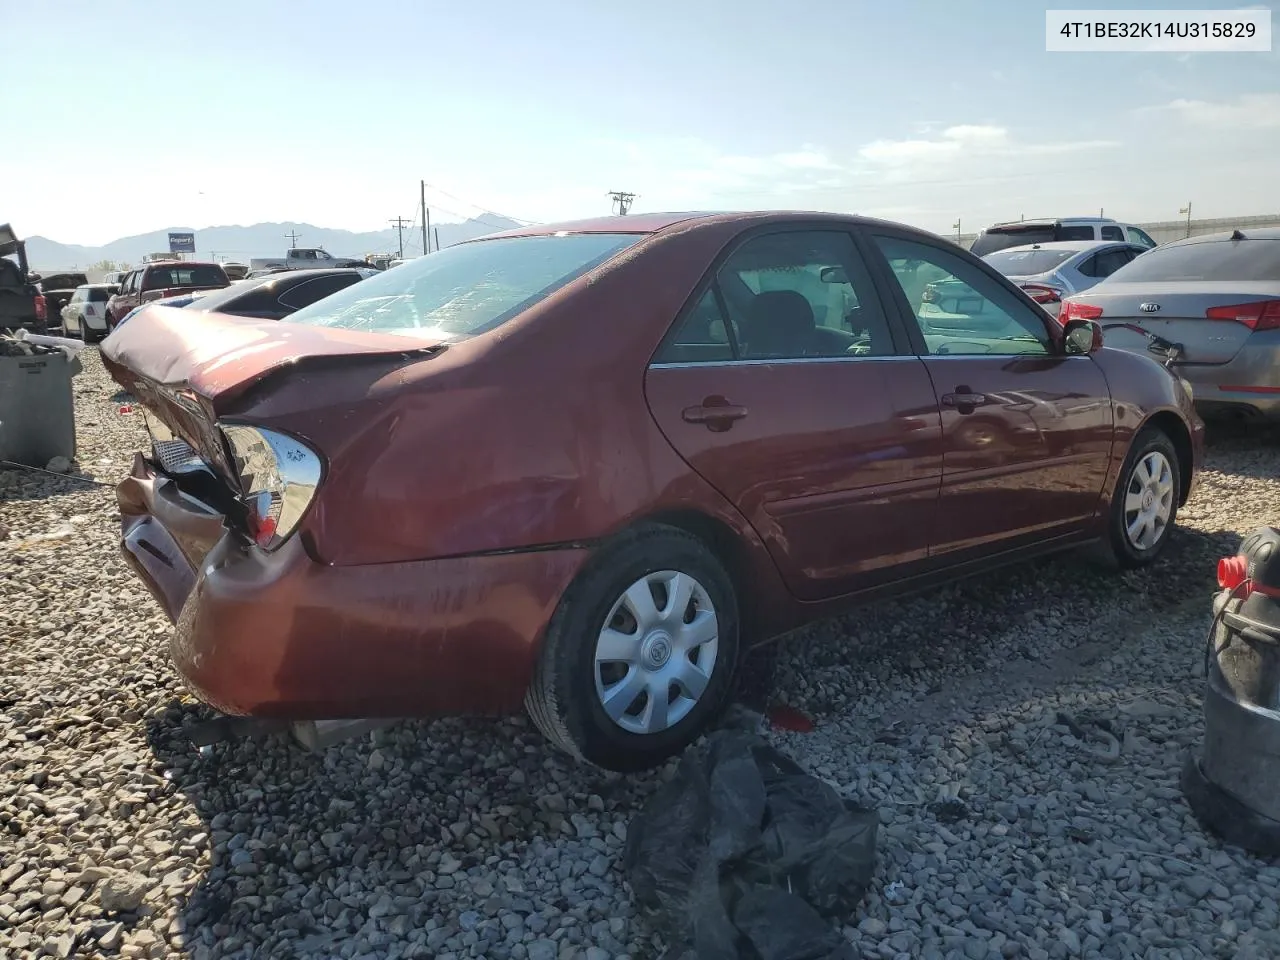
[(86, 335), (566, 698), (1151, 448)]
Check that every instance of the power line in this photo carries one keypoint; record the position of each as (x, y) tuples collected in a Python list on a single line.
[(492, 213), (293, 239)]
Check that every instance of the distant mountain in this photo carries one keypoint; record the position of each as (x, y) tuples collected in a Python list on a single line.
[(258, 240)]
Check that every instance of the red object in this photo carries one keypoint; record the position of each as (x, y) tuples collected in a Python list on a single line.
[(1246, 388), (789, 718), (125, 408), (1232, 571), (1258, 315), (468, 481), (1043, 293), (42, 309), (1073, 310)]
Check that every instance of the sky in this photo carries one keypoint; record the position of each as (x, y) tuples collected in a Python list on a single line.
[(142, 116)]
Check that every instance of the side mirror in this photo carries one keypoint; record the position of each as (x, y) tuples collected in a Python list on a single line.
[(1081, 337)]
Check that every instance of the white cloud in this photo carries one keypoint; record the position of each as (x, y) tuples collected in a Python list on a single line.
[(1250, 111), (984, 141)]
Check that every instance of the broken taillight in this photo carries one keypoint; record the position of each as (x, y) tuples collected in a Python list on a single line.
[(278, 479)]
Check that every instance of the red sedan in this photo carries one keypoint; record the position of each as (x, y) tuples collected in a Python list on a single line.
[(582, 467)]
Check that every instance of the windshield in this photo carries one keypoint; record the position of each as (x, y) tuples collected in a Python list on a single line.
[(465, 289), (1215, 260), (1024, 263)]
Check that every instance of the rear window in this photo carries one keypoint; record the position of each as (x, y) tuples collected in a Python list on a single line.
[(1230, 260), (465, 289), (220, 298), (98, 294), (1000, 238), (1024, 263), (195, 275)]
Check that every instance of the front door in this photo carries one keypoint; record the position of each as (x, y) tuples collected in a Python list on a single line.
[(785, 387), (1026, 429)]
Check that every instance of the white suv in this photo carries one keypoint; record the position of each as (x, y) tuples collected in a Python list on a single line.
[(1054, 230)]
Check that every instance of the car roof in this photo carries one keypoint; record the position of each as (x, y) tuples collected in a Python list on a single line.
[(649, 223), (1258, 233), (86, 286), (1075, 246), (180, 263), (1045, 221)]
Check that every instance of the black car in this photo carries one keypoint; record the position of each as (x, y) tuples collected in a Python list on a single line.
[(279, 294)]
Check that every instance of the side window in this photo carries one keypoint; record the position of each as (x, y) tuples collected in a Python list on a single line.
[(785, 296), (702, 337), (1112, 233), (960, 310), (1089, 267), (1077, 232), (1140, 237), (308, 292), (1109, 261), (800, 295)]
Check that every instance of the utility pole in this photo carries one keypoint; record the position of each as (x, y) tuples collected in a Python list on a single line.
[(435, 232), (956, 226), (426, 217), (293, 239), (1187, 211), (401, 223), (622, 201)]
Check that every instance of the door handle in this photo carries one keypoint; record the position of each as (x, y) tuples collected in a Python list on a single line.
[(964, 399), (716, 413)]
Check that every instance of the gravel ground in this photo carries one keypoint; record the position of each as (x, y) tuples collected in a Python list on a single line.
[(1021, 736)]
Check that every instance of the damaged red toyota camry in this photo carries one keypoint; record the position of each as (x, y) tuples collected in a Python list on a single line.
[(583, 467)]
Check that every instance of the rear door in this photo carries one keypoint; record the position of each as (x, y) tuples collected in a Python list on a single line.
[(1026, 430), (1185, 293), (785, 385)]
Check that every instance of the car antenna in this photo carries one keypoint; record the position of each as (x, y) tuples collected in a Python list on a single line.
[(1237, 235)]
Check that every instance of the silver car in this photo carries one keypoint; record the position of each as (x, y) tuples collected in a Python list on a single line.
[(1212, 305), (1050, 271)]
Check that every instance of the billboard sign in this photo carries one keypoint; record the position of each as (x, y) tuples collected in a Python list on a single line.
[(182, 243)]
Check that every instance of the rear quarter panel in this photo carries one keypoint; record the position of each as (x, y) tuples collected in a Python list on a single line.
[(533, 436)]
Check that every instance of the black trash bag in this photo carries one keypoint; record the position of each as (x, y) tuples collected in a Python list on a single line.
[(744, 856)]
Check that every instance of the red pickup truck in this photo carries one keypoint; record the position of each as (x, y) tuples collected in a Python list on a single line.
[(160, 279)]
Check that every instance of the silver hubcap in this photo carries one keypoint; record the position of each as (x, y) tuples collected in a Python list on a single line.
[(1148, 501), (656, 653)]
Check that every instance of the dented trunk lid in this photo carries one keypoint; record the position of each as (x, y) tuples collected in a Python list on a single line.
[(216, 357)]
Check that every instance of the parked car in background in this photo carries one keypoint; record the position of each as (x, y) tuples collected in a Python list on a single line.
[(22, 305), (432, 492), (1216, 299), (1047, 272), (235, 271), (159, 279), (115, 277), (85, 314), (58, 289), (276, 296), (1022, 233)]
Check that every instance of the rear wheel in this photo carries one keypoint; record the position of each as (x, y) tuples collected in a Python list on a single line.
[(640, 654), (1144, 506)]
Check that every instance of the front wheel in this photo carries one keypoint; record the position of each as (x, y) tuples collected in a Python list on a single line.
[(1144, 505), (640, 654)]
